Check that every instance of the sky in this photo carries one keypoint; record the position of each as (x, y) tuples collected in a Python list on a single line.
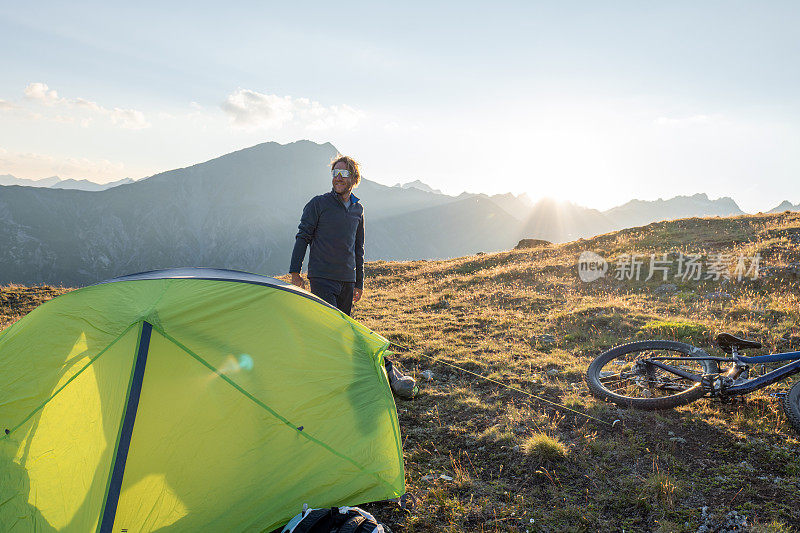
[(592, 102)]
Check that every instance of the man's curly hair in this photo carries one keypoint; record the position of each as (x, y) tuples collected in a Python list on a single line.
[(352, 166)]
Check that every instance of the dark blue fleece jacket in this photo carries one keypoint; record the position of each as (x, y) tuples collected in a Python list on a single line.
[(336, 236)]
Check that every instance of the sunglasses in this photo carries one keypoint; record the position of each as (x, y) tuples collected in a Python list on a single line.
[(340, 172)]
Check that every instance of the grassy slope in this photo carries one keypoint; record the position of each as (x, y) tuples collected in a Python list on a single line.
[(517, 464)]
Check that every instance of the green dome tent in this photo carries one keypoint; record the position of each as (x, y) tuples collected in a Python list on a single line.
[(191, 400)]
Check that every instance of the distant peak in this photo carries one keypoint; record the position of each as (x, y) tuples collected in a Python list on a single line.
[(785, 205), (307, 141), (419, 185), (326, 145), (298, 143)]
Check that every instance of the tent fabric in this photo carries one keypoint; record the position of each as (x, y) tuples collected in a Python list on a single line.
[(191, 399)]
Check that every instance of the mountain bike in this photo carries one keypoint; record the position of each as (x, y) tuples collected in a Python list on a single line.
[(662, 374)]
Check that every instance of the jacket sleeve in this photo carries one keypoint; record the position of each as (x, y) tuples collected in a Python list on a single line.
[(305, 234), (360, 254)]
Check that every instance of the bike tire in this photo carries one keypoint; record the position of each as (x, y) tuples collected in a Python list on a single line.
[(791, 406), (601, 391)]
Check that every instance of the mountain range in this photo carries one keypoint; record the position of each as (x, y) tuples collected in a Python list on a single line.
[(417, 184), (55, 182), (786, 205), (241, 211)]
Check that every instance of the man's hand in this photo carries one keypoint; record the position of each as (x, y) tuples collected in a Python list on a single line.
[(298, 280), (357, 294)]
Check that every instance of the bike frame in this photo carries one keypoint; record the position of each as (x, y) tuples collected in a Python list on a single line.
[(741, 363), (770, 377)]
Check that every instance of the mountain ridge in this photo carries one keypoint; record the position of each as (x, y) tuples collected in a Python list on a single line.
[(240, 210), (54, 182)]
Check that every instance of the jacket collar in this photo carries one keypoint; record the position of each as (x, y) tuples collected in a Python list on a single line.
[(353, 198)]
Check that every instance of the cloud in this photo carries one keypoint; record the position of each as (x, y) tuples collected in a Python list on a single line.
[(86, 104), (34, 166), (251, 109), (337, 116), (40, 92), (127, 118), (81, 110)]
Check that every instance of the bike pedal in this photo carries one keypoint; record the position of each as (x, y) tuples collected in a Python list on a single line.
[(711, 383)]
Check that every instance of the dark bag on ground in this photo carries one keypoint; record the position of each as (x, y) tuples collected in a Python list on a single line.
[(333, 520)]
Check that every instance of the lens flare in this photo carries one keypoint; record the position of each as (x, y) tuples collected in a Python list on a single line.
[(245, 362)]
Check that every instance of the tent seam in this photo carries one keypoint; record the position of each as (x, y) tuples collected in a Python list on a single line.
[(395, 421), (138, 359), (90, 363), (160, 297), (269, 409)]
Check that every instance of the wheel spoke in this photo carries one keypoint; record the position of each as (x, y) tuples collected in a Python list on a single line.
[(631, 376), (614, 380)]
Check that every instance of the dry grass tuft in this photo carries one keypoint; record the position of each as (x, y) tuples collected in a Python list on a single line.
[(544, 447)]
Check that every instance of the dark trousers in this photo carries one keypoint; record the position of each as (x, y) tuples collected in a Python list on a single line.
[(337, 293)]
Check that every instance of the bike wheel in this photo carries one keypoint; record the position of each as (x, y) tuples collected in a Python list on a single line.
[(621, 376), (791, 406)]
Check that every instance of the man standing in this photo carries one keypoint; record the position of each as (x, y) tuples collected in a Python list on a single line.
[(333, 225)]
